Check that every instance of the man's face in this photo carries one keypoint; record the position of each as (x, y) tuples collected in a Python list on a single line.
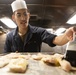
[(21, 17)]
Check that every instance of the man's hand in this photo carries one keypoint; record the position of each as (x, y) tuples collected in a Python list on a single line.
[(69, 33), (66, 37)]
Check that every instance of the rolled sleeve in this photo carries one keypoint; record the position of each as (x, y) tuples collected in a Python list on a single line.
[(48, 38)]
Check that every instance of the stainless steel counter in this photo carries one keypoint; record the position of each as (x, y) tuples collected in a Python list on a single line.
[(36, 67)]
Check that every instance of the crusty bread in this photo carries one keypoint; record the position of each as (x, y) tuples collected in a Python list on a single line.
[(51, 60), (4, 61), (56, 59), (18, 65)]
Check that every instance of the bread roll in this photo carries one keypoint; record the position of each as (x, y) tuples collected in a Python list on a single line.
[(3, 62), (65, 65), (18, 65), (50, 59)]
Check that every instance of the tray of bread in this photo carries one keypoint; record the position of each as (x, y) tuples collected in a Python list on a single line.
[(34, 64)]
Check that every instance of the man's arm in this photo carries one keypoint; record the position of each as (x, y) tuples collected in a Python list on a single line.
[(66, 37)]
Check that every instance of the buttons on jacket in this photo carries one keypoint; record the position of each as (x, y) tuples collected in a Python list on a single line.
[(31, 42)]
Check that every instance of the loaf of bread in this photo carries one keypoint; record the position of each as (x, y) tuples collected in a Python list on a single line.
[(18, 65), (56, 59), (4, 62), (65, 65), (51, 60)]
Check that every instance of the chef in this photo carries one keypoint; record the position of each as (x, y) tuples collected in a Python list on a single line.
[(27, 38)]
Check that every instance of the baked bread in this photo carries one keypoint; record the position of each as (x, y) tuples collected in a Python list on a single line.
[(4, 62), (18, 65), (39, 56), (56, 59), (51, 60)]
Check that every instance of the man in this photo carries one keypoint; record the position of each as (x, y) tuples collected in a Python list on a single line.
[(27, 38)]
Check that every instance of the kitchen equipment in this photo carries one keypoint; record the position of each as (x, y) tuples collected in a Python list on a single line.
[(70, 54)]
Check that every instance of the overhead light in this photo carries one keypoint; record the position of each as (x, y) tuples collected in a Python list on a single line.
[(72, 20), (7, 21)]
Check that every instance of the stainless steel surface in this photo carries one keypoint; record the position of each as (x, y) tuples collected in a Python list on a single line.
[(38, 68)]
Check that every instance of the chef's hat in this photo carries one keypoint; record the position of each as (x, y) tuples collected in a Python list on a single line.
[(18, 4)]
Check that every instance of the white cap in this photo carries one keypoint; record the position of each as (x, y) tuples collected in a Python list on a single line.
[(18, 4)]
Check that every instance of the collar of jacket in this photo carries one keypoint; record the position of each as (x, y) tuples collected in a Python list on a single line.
[(31, 31), (30, 28)]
